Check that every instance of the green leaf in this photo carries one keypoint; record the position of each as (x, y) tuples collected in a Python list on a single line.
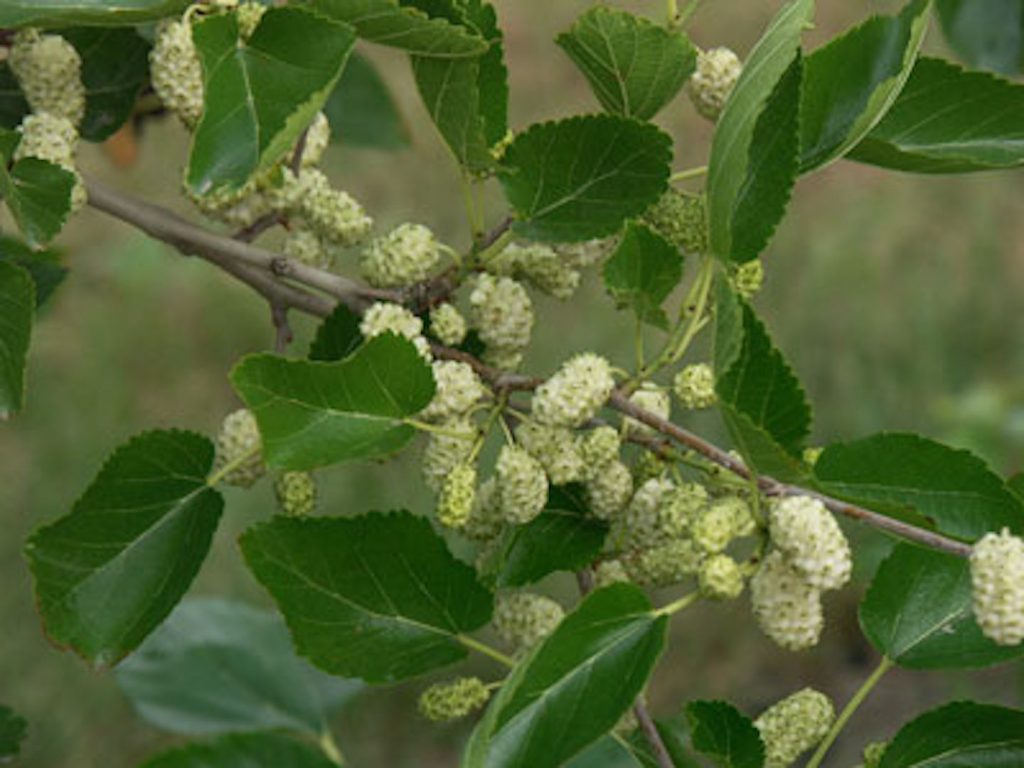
[(244, 750), (13, 106), (218, 667), (389, 23), (947, 120), (634, 66), (581, 178), (44, 267), (260, 94), (959, 735), (12, 733), (642, 272), (110, 572), (312, 414), (337, 337), (728, 737), (115, 66), (850, 83), (952, 488), (574, 687), (761, 400), (362, 111), (918, 613), (18, 303), (467, 98), (561, 538), (744, 145), (988, 35), (378, 597), (675, 735), (67, 13), (37, 193)]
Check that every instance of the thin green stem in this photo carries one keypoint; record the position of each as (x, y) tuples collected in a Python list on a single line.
[(495, 248), (638, 344), (473, 214), (492, 417), (672, 13), (687, 12), (475, 645), (232, 465), (851, 706), (330, 748), (689, 173), (681, 604)]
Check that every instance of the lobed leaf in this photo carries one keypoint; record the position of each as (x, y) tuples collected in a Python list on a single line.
[(642, 272), (17, 309), (109, 573), (378, 597), (312, 414), (960, 734), (634, 66)]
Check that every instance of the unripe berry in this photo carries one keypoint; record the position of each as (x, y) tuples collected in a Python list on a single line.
[(385, 317), (556, 450), (873, 754), (458, 390), (709, 87), (588, 253), (997, 579), (811, 455), (404, 256), (576, 393), (296, 493), (455, 504), (332, 213), (49, 71), (609, 490), (812, 542), (665, 564), (720, 578), (609, 572), (648, 467), (305, 246), (523, 619), (522, 485), (503, 358), (600, 447), (54, 139), (794, 725), (485, 521), (680, 219), (249, 16), (445, 451), (502, 313), (650, 397), (177, 73), (715, 528), (448, 325), (695, 386), (743, 522), (659, 511), (787, 609), (748, 279), (453, 700), (236, 208), (540, 265), (240, 436)]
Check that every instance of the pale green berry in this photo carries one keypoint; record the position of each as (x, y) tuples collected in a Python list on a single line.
[(575, 393), (715, 528), (743, 522), (665, 564), (873, 753), (652, 398), (794, 725), (462, 696), (249, 16), (681, 507), (455, 503), (812, 541), (54, 139), (556, 450), (448, 325), (720, 578), (404, 256), (609, 490), (997, 581), (332, 213), (318, 138), (787, 608), (236, 208), (710, 85), (648, 467), (659, 511), (523, 619), (296, 493), (680, 219), (446, 450), (748, 279), (588, 253), (385, 317), (485, 521), (522, 485), (811, 455), (600, 447), (49, 71), (503, 358), (540, 265), (239, 437), (177, 73), (501, 312), (610, 572), (306, 247), (458, 389), (695, 386)]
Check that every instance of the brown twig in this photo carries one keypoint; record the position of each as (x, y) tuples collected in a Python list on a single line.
[(283, 335), (650, 731)]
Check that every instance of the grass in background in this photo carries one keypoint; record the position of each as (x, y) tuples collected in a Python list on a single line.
[(894, 297)]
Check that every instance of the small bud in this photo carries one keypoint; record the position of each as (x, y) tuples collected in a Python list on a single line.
[(575, 393), (787, 609), (455, 504), (523, 619), (404, 256), (458, 390), (720, 578), (997, 579), (794, 725), (448, 325), (695, 386), (522, 485), (556, 450), (454, 700), (177, 73), (240, 436), (748, 279), (812, 542), (296, 493), (609, 490), (709, 87)]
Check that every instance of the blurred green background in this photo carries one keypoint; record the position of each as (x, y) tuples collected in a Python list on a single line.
[(896, 298)]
